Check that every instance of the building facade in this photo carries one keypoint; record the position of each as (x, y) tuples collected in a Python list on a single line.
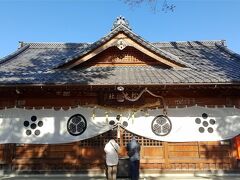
[(61, 101)]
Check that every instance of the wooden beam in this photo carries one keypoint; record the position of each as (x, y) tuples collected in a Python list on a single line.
[(129, 42)]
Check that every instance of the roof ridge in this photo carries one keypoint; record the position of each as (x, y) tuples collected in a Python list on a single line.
[(191, 43), (164, 44), (54, 44)]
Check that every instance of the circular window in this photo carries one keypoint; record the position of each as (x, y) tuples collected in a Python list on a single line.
[(161, 125), (76, 125)]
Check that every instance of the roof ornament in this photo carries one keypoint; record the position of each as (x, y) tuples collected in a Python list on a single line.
[(120, 21), (121, 44)]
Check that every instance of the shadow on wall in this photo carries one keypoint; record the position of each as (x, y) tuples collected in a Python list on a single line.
[(79, 156), (82, 156)]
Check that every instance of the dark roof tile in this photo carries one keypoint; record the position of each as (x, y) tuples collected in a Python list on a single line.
[(34, 63)]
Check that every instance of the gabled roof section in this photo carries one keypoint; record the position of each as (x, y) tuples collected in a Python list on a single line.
[(34, 64), (121, 36)]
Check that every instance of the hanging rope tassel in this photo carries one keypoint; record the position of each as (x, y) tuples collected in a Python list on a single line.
[(149, 92)]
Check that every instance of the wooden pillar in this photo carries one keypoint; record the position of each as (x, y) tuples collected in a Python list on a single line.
[(8, 155), (122, 151), (200, 164), (166, 155), (235, 152)]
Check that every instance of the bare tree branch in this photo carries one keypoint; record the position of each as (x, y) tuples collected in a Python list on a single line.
[(154, 4)]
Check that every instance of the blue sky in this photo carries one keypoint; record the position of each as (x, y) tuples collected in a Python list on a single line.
[(89, 20)]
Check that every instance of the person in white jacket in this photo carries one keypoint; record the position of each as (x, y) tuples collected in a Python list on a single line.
[(111, 149)]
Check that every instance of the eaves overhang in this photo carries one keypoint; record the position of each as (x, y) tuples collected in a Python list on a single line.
[(123, 33)]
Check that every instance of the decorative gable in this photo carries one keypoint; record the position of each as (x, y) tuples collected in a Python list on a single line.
[(129, 56), (122, 38)]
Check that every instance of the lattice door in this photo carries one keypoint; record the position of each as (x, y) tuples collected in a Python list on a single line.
[(148, 146)]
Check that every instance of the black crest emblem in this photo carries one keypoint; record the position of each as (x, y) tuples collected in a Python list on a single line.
[(205, 124), (76, 125), (33, 126), (161, 125)]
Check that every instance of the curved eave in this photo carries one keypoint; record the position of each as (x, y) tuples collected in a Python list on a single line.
[(225, 49), (14, 54)]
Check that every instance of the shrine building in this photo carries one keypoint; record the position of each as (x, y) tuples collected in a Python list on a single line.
[(60, 103)]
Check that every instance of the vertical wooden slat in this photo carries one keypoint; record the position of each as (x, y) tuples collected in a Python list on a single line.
[(234, 155), (166, 156), (200, 164), (154, 154)]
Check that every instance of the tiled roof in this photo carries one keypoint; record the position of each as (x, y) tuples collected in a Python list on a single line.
[(35, 63), (125, 29), (186, 44), (206, 62)]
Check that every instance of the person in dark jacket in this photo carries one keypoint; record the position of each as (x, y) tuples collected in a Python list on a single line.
[(133, 149)]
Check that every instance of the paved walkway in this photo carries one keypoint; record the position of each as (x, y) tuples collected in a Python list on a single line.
[(146, 177)]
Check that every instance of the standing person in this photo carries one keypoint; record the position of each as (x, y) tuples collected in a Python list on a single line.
[(111, 149), (133, 149)]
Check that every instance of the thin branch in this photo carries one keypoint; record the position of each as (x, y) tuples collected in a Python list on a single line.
[(154, 4)]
